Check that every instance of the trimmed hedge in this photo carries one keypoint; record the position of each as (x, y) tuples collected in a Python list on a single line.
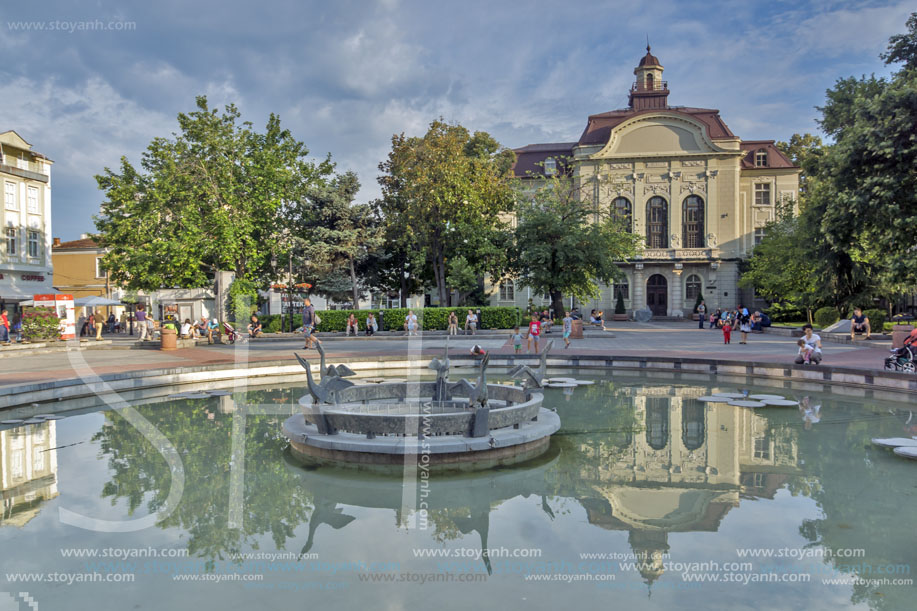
[(393, 319), (825, 317), (877, 319)]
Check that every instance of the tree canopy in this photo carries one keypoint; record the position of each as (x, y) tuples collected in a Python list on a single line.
[(565, 246), (446, 193), (208, 198)]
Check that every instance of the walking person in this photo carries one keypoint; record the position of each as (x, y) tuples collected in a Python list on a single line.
[(568, 329), (471, 322), (701, 314), (453, 324), (517, 340), (309, 321), (743, 320), (98, 320), (4, 327), (111, 323), (140, 317), (534, 332)]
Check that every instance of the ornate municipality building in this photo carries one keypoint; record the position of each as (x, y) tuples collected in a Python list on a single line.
[(678, 176)]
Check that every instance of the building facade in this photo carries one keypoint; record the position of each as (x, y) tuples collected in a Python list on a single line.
[(25, 217), (698, 194)]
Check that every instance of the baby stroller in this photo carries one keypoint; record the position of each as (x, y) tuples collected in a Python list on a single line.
[(901, 359), (232, 334)]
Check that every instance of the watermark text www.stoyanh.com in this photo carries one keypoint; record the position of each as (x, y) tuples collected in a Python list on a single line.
[(70, 27)]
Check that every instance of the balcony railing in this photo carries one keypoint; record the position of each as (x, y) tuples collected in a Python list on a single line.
[(671, 254), (643, 87)]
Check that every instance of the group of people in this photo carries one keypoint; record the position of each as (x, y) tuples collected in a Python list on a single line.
[(740, 319)]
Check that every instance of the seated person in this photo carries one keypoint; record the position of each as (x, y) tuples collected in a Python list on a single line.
[(213, 327), (186, 329), (201, 327), (254, 327), (477, 351), (546, 321), (809, 351), (859, 323)]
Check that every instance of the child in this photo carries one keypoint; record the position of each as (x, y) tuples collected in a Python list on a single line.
[(568, 328), (534, 332), (727, 332), (804, 351), (517, 340), (477, 351)]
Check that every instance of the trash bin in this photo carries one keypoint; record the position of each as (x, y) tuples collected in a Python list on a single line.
[(899, 334), (168, 339), (576, 330)]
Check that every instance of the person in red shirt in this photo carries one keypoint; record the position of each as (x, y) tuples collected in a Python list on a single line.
[(727, 332), (4, 327), (534, 332)]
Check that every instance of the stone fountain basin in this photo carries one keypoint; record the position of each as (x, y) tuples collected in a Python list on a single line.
[(405, 408)]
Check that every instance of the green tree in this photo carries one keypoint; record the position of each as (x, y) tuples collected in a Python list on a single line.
[(208, 198), (445, 193), (336, 235), (782, 268), (563, 246)]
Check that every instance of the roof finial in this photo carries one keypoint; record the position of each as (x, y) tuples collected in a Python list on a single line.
[(647, 42)]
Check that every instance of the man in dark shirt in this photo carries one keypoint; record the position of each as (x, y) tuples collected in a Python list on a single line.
[(308, 324), (859, 322)]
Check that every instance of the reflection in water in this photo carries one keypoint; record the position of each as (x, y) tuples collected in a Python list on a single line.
[(648, 460), (28, 471)]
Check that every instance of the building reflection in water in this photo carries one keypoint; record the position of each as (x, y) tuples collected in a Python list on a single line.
[(692, 464), (28, 471)]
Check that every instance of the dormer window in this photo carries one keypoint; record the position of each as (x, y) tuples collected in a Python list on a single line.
[(761, 158), (550, 167)]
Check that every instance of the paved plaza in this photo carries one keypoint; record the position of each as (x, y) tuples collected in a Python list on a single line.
[(622, 339)]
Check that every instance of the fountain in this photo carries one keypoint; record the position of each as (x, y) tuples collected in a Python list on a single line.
[(446, 425)]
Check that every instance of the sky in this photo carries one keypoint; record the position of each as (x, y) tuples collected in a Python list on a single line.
[(87, 82)]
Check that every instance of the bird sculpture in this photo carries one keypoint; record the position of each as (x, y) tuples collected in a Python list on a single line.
[(326, 390), (332, 371), (441, 390), (533, 378)]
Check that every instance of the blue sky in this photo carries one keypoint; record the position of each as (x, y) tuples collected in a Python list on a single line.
[(346, 75)]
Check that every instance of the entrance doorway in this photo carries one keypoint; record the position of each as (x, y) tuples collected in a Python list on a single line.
[(657, 290)]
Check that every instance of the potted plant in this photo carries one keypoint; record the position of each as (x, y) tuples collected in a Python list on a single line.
[(620, 312)]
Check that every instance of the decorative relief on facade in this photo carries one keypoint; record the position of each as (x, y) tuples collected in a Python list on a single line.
[(657, 164), (694, 253), (693, 163), (711, 173), (662, 189), (658, 253), (618, 166), (711, 240), (693, 187), (675, 240)]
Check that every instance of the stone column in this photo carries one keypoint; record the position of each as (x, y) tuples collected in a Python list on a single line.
[(638, 301), (675, 309)]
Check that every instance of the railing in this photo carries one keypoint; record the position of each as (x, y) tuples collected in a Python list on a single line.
[(657, 86), (680, 253), (23, 164)]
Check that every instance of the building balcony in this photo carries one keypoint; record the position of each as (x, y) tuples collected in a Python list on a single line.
[(24, 169), (679, 254)]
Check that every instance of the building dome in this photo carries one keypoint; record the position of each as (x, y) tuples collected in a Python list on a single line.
[(649, 59)]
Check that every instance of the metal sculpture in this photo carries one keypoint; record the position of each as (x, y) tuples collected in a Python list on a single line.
[(533, 379), (442, 391)]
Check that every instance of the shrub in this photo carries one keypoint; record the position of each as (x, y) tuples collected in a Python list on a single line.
[(876, 319), (825, 317), (780, 312), (619, 304), (700, 298), (393, 319), (40, 324)]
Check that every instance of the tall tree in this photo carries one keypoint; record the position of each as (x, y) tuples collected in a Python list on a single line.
[(448, 192), (209, 198), (336, 235), (563, 246)]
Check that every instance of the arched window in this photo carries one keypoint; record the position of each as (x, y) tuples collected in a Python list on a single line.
[(621, 211), (692, 287), (649, 80), (692, 221), (657, 422), (761, 158), (550, 166), (657, 223), (693, 424)]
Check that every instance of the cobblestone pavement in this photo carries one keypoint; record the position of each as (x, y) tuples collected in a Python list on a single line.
[(622, 339)]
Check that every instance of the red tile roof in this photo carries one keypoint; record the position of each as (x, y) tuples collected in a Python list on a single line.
[(775, 158), (81, 244)]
